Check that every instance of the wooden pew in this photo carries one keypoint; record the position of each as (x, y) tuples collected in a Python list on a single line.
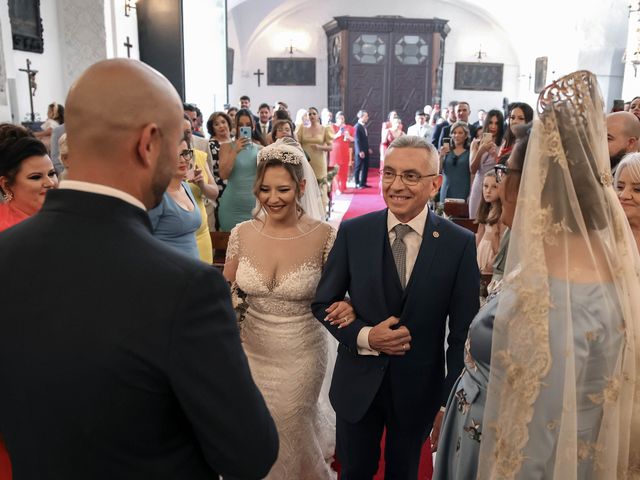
[(219, 242)]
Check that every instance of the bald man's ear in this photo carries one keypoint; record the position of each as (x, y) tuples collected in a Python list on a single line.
[(149, 144), (633, 145)]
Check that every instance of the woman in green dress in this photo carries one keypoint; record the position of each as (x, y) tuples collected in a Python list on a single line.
[(238, 163)]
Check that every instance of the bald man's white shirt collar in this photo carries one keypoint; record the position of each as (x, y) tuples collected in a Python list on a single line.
[(101, 190)]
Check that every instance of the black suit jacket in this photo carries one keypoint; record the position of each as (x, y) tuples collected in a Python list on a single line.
[(361, 141), (444, 282), (119, 357)]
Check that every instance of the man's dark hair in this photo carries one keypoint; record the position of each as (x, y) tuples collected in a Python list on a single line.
[(245, 97), (190, 107), (264, 105)]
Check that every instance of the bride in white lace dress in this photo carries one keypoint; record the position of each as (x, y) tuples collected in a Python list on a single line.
[(276, 260)]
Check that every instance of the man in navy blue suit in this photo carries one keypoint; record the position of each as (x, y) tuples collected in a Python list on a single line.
[(361, 150), (406, 271)]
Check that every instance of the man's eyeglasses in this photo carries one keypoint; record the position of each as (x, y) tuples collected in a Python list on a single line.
[(187, 154), (502, 170), (408, 178)]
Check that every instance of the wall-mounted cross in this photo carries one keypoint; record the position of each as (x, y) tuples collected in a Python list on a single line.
[(259, 74), (128, 45), (31, 74)]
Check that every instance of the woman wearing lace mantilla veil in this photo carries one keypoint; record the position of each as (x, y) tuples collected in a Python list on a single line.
[(561, 337), (276, 260)]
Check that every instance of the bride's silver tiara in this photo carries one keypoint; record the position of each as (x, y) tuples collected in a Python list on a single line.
[(286, 150)]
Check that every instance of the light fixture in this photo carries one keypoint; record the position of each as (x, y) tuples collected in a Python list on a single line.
[(479, 54), (128, 6), (291, 42)]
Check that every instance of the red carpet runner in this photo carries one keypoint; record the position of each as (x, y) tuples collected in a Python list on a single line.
[(5, 464), (424, 472), (365, 201)]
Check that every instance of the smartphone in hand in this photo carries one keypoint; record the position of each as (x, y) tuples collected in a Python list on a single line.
[(245, 132), (487, 138)]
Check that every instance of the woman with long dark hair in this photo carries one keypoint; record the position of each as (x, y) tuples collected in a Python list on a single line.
[(454, 158), (484, 155), (238, 161)]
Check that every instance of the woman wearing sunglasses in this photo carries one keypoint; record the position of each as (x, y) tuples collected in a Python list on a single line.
[(176, 219)]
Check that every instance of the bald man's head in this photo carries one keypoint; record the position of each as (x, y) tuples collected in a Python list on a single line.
[(124, 118), (623, 132)]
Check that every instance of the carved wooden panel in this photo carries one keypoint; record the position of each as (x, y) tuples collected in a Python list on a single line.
[(336, 73), (366, 93), (385, 63)]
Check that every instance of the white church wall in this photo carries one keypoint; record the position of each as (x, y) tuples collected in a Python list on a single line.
[(303, 23), (49, 78), (82, 36), (74, 37), (119, 27), (7, 65), (573, 34), (631, 81)]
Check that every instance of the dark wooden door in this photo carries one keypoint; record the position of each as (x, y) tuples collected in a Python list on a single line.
[(384, 63), (368, 82)]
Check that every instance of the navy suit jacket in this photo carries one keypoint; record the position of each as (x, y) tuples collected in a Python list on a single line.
[(120, 357), (361, 141), (444, 283), (437, 131)]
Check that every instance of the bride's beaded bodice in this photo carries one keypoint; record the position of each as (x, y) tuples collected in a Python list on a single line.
[(279, 275)]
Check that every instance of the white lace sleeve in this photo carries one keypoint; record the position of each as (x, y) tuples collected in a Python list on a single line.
[(328, 244), (233, 246)]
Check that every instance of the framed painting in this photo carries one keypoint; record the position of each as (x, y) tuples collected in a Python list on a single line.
[(291, 71), (479, 76), (26, 25)]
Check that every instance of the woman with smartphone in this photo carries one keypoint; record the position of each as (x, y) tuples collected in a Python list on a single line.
[(454, 160), (238, 161), (484, 155)]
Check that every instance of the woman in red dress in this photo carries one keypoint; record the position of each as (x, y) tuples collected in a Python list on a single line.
[(26, 174), (340, 155)]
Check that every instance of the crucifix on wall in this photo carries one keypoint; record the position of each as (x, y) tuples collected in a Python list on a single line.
[(259, 74), (128, 45), (31, 74)]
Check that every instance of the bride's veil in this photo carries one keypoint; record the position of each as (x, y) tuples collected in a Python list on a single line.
[(562, 399), (311, 200)]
